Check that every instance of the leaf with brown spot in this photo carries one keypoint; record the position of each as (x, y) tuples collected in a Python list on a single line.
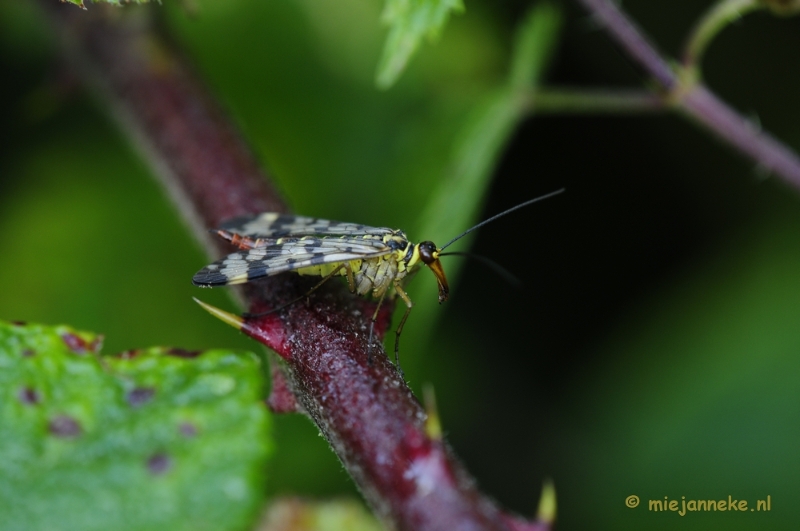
[(166, 441)]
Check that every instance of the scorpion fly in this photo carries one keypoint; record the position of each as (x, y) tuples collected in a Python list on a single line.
[(374, 260)]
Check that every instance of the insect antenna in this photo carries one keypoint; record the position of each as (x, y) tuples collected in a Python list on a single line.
[(507, 275), (500, 215)]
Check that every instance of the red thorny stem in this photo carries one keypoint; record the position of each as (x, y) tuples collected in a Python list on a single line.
[(366, 411)]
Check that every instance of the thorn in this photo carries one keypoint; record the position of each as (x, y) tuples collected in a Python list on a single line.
[(433, 426), (227, 318), (547, 503)]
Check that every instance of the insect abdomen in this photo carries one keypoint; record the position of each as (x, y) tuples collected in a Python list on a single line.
[(372, 275), (376, 275), (326, 269)]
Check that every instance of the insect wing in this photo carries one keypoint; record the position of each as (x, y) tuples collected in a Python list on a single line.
[(288, 255), (274, 225)]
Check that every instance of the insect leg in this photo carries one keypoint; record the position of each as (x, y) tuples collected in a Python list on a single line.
[(303, 296), (351, 281), (403, 295), (372, 327)]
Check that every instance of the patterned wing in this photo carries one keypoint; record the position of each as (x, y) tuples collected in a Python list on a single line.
[(288, 255), (274, 225)]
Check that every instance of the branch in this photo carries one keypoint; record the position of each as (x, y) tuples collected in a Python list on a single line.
[(367, 413), (568, 100), (710, 24), (687, 94)]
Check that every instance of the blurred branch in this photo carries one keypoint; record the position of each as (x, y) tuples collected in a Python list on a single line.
[(80, 3), (366, 411), (566, 100), (680, 88), (715, 19), (720, 15)]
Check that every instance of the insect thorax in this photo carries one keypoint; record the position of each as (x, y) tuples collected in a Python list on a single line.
[(377, 274)]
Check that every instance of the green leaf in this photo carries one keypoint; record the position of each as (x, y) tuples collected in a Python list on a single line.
[(458, 198), (534, 45), (152, 439), (409, 22)]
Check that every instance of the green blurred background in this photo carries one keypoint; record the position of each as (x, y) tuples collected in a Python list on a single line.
[(654, 347)]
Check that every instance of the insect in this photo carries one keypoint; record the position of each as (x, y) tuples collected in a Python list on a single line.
[(374, 260)]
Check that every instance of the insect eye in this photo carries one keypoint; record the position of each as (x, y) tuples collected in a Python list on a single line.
[(427, 251)]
